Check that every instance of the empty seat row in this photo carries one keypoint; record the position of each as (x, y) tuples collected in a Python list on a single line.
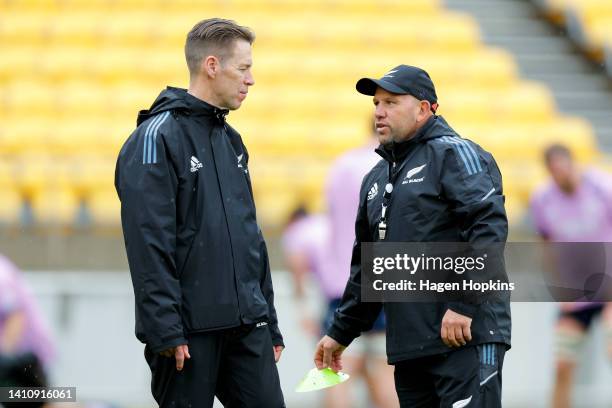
[(146, 29), (352, 6)]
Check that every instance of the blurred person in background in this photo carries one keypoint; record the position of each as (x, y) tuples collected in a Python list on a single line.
[(342, 194), (197, 257), (308, 251), (574, 206), (305, 245), (26, 348)]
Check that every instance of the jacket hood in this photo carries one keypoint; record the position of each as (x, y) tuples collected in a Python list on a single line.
[(436, 126), (177, 99)]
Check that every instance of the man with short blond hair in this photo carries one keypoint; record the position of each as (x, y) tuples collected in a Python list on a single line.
[(198, 260)]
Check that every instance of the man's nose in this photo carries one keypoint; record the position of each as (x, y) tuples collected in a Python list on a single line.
[(250, 80)]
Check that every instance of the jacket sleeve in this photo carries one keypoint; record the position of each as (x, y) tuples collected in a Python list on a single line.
[(268, 292), (353, 316), (472, 183), (148, 216)]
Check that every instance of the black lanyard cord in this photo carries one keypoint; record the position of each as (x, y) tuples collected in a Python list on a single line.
[(392, 175)]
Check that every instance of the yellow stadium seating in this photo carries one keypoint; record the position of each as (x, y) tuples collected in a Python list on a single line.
[(75, 73), (594, 18), (12, 205), (104, 207), (15, 63), (29, 98), (589, 22), (524, 102), (22, 135), (89, 175), (23, 27), (36, 173), (11, 199), (527, 141), (55, 206), (555, 9)]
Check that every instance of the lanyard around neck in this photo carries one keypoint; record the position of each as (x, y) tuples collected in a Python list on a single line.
[(392, 175)]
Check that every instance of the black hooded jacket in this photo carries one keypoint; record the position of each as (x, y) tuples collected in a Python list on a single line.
[(447, 189), (197, 257)]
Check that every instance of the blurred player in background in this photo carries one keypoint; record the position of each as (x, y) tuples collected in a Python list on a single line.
[(305, 244), (308, 250), (322, 245), (368, 352), (574, 206), (26, 347)]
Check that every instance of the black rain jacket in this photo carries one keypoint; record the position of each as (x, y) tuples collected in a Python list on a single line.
[(197, 257), (448, 190)]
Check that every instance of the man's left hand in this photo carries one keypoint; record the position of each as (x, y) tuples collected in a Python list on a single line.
[(455, 331), (277, 352)]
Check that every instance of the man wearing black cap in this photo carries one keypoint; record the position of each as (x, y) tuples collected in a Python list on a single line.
[(432, 186)]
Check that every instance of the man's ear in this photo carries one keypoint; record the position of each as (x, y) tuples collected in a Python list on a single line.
[(424, 109), (211, 65)]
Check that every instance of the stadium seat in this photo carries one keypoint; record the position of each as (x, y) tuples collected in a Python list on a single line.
[(30, 98), (55, 206), (522, 177), (23, 27), (17, 62), (104, 207), (12, 205), (25, 134), (589, 23), (36, 172), (554, 9), (91, 174), (522, 102), (10, 197), (84, 98)]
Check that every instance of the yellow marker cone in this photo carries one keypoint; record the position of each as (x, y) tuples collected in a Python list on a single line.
[(318, 379)]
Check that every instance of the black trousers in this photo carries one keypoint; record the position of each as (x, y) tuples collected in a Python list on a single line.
[(235, 365), (466, 377)]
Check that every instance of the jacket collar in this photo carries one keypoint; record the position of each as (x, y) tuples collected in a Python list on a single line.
[(178, 99), (199, 106)]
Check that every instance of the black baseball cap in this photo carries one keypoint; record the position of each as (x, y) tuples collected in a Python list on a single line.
[(402, 80)]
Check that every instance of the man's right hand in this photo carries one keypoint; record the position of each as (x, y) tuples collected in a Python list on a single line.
[(329, 354), (180, 353), (455, 329)]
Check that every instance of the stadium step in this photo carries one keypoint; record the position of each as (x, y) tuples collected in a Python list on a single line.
[(544, 62), (566, 82), (528, 44), (488, 9), (544, 53), (596, 100)]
